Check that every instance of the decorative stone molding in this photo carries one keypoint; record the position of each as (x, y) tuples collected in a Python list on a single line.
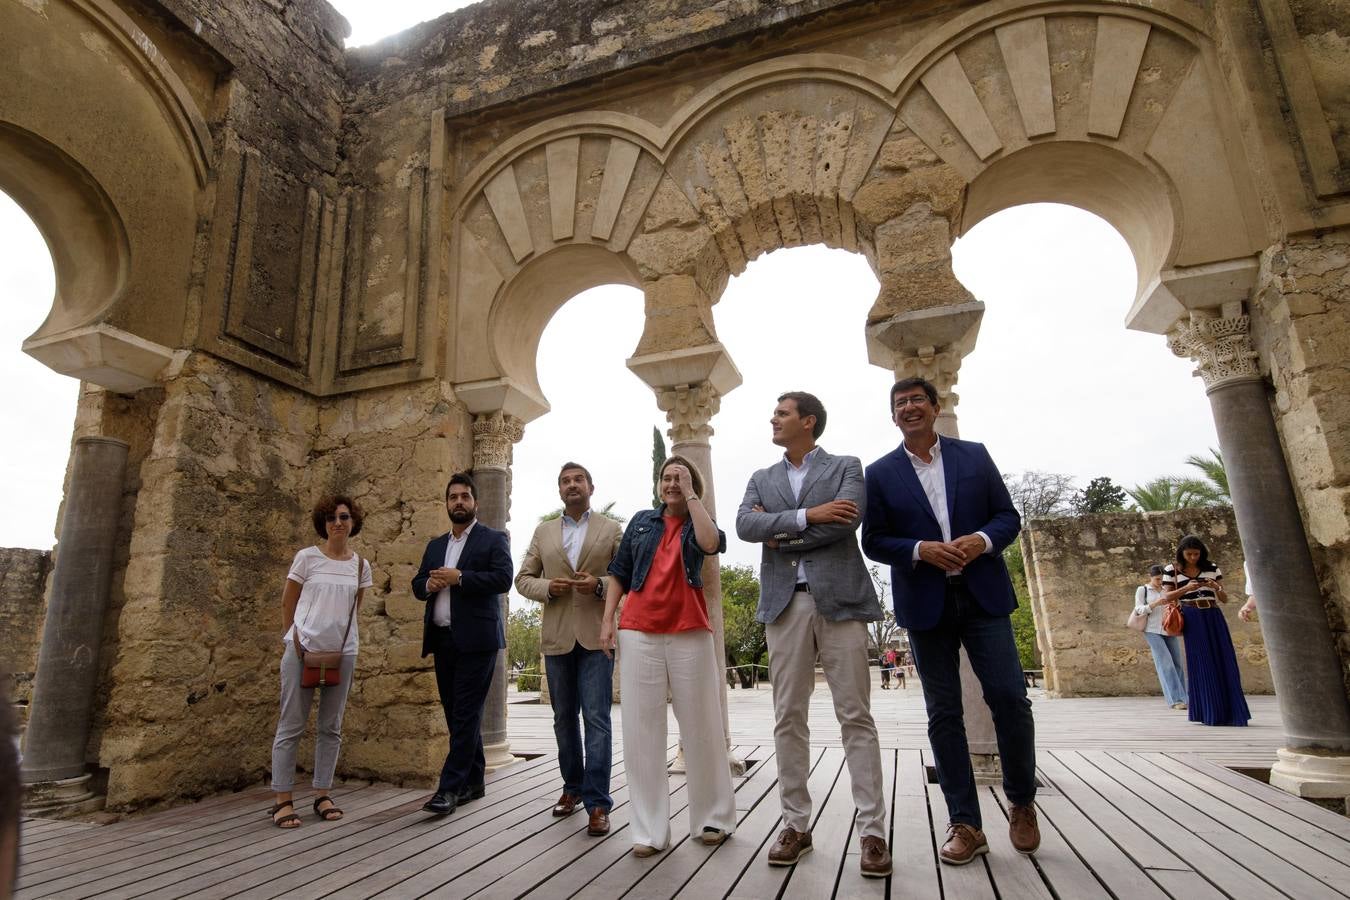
[(494, 436), (688, 409), (1221, 345), (941, 366)]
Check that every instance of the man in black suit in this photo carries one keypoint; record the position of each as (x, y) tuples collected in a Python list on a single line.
[(463, 573)]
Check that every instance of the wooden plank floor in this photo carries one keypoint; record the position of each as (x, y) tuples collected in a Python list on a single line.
[(1135, 803)]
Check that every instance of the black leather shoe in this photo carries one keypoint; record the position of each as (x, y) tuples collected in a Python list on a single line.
[(440, 804), (469, 794)]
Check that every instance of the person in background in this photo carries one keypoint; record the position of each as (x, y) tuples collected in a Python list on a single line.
[(1166, 648), (666, 649), (1248, 611), (1215, 686)]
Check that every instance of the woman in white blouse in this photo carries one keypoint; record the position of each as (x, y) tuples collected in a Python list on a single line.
[(319, 607), (1166, 648)]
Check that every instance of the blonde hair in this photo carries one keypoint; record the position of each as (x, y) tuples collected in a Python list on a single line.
[(694, 474)]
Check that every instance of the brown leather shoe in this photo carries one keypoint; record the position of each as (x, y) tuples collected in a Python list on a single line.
[(566, 805), (964, 843), (789, 847), (599, 823), (876, 859), (1023, 830)]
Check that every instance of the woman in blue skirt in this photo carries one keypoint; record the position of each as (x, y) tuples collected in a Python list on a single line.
[(1215, 687)]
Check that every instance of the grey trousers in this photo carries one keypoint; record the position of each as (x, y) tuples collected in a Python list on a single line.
[(295, 704), (796, 639)]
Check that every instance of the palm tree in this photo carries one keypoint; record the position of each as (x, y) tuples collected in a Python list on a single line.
[(1169, 492), (1216, 477), (607, 511)]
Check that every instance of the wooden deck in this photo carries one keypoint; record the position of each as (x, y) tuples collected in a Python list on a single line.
[(1133, 804)]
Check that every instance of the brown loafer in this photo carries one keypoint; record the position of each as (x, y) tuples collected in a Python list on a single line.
[(789, 847), (1023, 830), (876, 859), (566, 805), (964, 843), (599, 823)]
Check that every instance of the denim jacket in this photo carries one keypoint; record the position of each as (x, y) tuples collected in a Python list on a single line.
[(638, 548)]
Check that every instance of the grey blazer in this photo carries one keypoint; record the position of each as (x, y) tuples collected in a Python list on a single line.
[(827, 553)]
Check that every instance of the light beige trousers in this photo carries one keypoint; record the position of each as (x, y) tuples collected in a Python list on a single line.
[(796, 639)]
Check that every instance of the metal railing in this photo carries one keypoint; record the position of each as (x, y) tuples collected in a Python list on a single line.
[(735, 679)]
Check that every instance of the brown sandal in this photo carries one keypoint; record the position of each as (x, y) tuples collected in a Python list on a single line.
[(331, 814), (286, 822)]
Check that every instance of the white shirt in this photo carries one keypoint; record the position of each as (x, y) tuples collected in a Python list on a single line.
[(573, 536), (796, 478), (933, 480), (440, 614), (327, 589)]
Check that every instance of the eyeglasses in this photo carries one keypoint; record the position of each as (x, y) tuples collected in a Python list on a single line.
[(340, 517), (913, 400)]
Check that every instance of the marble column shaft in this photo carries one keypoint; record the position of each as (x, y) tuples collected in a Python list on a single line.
[(67, 672)]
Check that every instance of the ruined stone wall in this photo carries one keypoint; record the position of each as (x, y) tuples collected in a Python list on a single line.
[(1083, 573), (23, 578), (1302, 323)]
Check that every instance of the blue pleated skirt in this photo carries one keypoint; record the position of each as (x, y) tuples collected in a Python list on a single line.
[(1214, 685)]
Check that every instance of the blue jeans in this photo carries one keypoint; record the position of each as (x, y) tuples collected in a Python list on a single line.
[(1166, 649), (579, 685), (993, 655)]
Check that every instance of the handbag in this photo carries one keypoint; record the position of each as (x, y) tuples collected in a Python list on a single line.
[(323, 668), (1134, 620), (1172, 621)]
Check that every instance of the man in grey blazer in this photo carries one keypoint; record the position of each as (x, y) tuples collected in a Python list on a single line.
[(816, 598)]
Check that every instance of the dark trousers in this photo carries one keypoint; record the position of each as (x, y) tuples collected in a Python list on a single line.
[(993, 655), (462, 680), (580, 687)]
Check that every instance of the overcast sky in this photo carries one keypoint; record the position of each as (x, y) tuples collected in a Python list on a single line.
[(1056, 383)]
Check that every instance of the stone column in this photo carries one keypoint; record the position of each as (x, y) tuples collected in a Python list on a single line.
[(494, 436), (1303, 660), (58, 727), (689, 385)]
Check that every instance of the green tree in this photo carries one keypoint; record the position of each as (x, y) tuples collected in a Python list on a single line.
[(658, 457), (1169, 492), (881, 633), (1215, 481), (1023, 622), (523, 636), (1100, 496), (745, 640)]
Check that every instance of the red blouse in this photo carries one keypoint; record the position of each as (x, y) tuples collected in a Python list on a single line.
[(666, 603)]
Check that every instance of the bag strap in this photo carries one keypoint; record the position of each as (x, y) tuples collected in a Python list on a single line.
[(352, 615)]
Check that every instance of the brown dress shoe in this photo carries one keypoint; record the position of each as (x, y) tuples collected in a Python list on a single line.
[(876, 859), (964, 843), (599, 823), (789, 847), (1023, 831), (566, 805)]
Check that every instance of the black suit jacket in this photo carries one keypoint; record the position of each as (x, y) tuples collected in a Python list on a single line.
[(475, 608)]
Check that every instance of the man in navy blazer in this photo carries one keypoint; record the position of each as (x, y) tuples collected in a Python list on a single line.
[(939, 514), (463, 574)]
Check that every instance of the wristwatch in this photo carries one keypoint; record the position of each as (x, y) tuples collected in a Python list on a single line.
[(599, 589)]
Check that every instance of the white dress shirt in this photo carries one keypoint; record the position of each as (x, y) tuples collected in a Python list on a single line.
[(933, 480), (796, 478), (440, 614), (573, 536)]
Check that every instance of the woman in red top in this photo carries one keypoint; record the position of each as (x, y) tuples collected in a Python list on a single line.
[(666, 647)]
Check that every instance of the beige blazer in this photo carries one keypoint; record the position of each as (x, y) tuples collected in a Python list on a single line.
[(573, 618)]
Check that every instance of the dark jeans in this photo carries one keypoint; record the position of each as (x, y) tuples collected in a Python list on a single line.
[(579, 687), (462, 680), (993, 655)]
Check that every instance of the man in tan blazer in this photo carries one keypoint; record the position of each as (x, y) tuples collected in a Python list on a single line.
[(564, 569)]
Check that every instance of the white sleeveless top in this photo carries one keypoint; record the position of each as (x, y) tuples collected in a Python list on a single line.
[(327, 589)]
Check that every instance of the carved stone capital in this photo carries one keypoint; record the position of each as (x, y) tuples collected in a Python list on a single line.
[(689, 408), (494, 436), (940, 366), (1221, 346)]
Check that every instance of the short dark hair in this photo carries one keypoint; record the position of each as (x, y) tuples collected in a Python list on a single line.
[(905, 384), (808, 405), (465, 479), (1156, 570), (574, 465), (1191, 542), (328, 507)]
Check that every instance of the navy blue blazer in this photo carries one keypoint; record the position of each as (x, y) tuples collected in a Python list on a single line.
[(899, 515), (475, 608)]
